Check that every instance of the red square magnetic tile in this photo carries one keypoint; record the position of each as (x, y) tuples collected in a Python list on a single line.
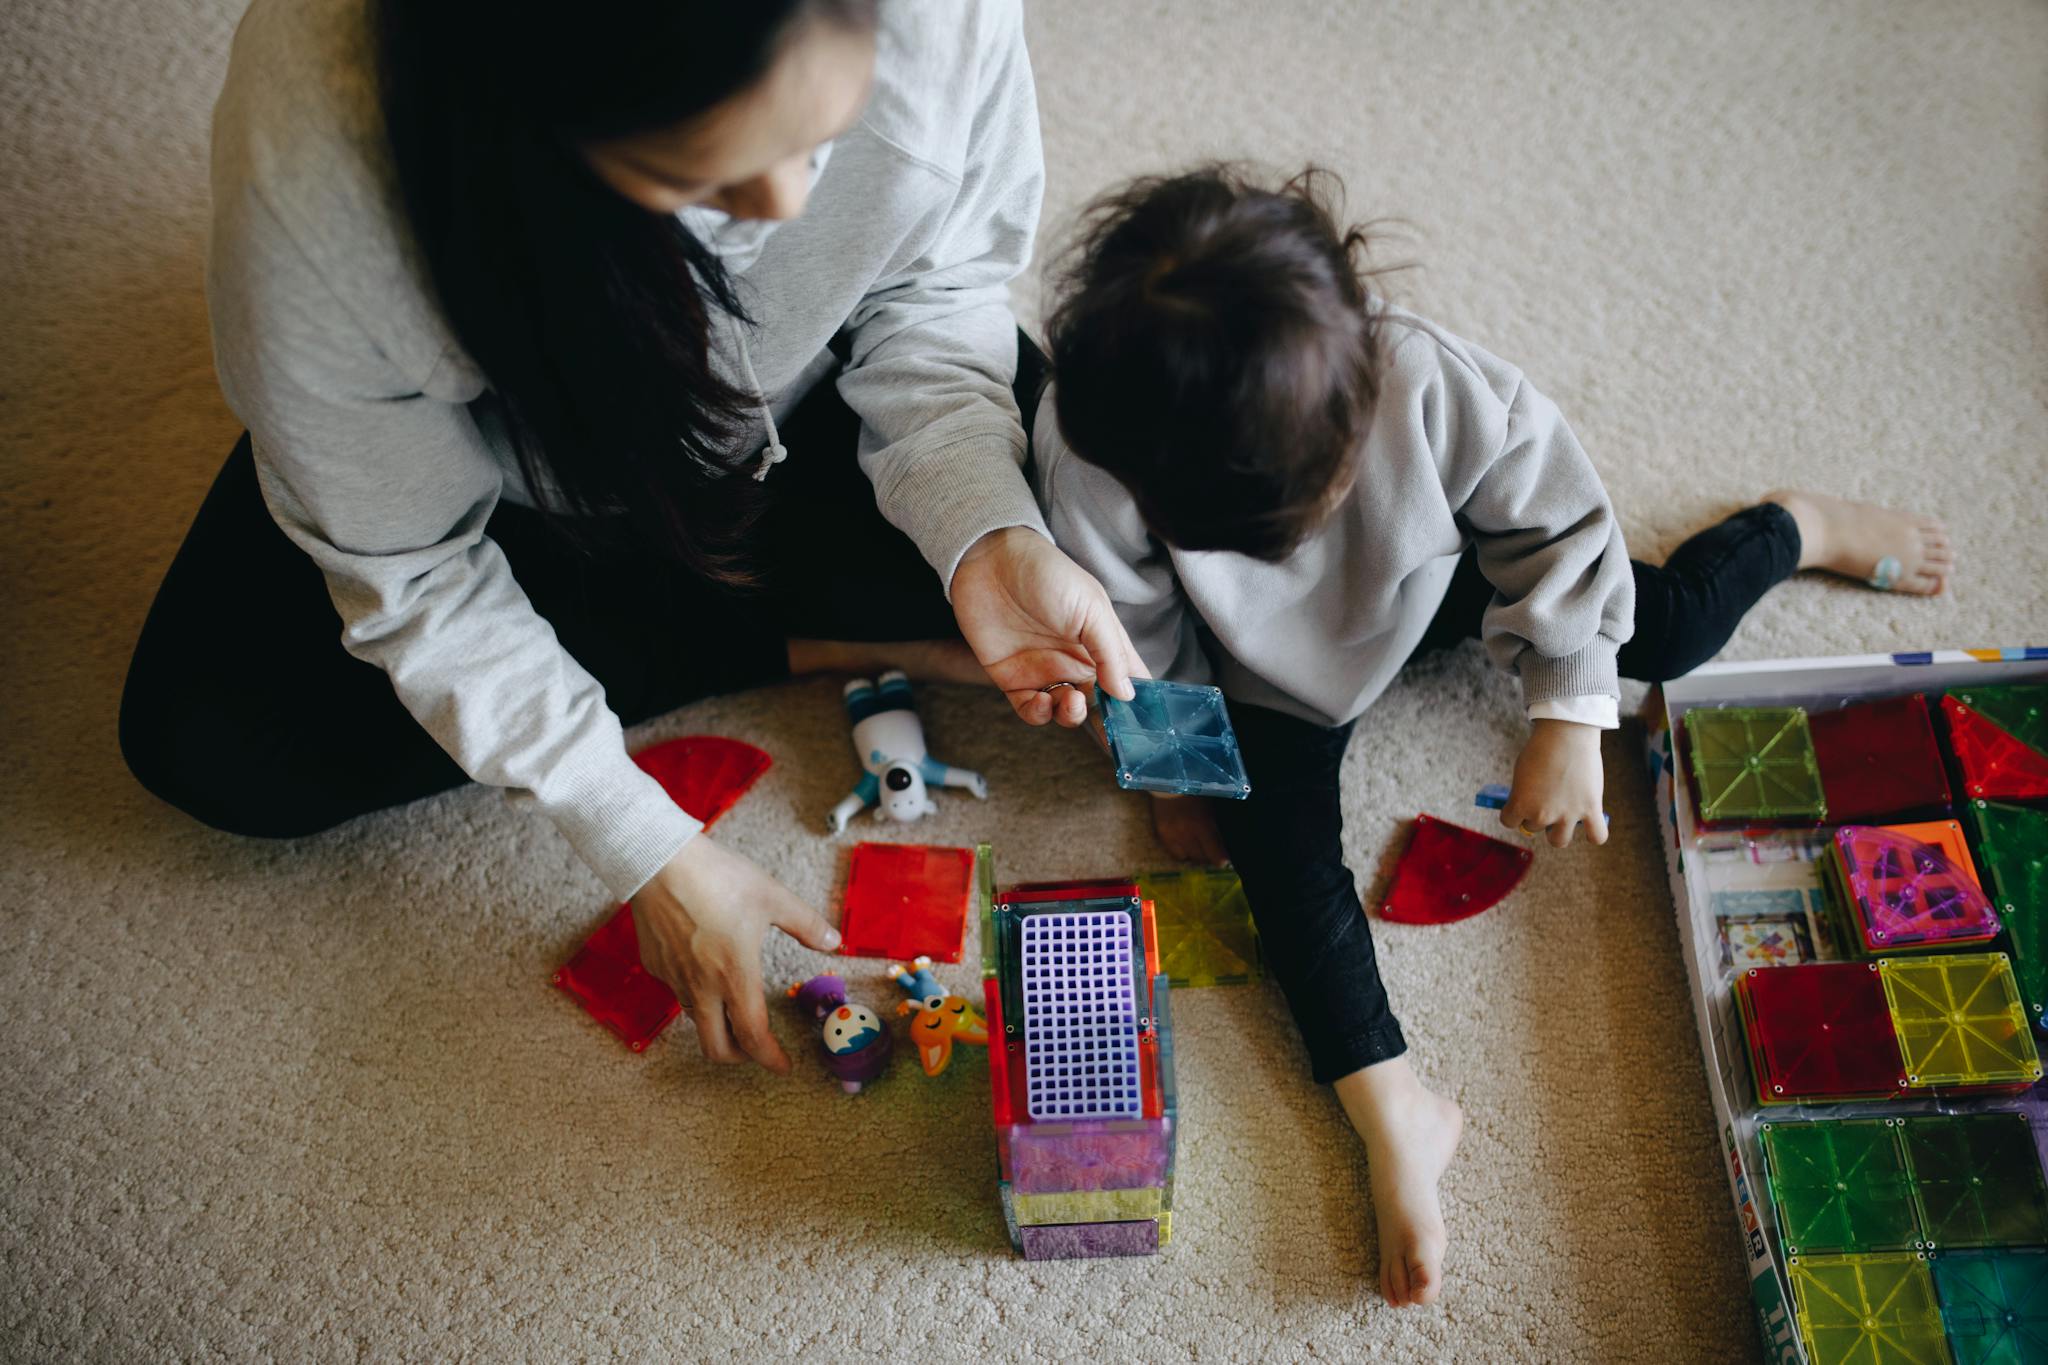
[(1879, 760), (905, 901), (607, 979), (1822, 1029)]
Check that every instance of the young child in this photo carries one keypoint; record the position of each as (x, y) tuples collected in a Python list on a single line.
[(1288, 487)]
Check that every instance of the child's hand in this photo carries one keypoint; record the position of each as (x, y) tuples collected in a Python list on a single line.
[(1558, 781)]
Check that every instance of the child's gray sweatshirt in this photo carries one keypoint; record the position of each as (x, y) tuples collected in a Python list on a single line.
[(380, 454), (1461, 451)]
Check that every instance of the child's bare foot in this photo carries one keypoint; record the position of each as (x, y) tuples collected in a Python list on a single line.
[(1855, 539), (1409, 1136), (948, 661), (1186, 826)]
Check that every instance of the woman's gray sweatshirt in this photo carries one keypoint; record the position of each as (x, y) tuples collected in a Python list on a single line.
[(377, 457)]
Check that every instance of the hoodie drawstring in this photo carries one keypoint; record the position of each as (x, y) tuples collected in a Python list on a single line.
[(774, 453)]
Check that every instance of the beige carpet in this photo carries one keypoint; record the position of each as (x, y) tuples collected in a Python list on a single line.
[(316, 1100)]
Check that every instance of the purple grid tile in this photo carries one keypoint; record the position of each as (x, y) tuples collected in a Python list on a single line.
[(1080, 1023)]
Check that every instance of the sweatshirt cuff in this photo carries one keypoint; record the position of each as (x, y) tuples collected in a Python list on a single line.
[(1600, 712), (983, 491), (1590, 672), (620, 821)]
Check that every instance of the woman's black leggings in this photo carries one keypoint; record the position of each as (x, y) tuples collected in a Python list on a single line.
[(1286, 839), (242, 709)]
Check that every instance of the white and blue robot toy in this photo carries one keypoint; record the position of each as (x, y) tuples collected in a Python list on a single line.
[(890, 741)]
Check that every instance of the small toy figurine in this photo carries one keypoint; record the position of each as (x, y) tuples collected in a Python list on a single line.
[(941, 1019), (890, 741), (852, 1039)]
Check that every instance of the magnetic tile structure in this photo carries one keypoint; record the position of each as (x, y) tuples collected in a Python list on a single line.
[(1868, 1310), (1206, 934), (1977, 1180), (1999, 736), (1081, 1070), (1080, 1028), (1174, 737), (1879, 760), (905, 901), (1841, 1186), (1959, 1020), (606, 978), (2012, 844), (1449, 873), (1819, 1031), (1903, 892), (1754, 763), (1994, 1306)]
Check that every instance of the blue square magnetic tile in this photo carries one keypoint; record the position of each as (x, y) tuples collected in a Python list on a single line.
[(1174, 737)]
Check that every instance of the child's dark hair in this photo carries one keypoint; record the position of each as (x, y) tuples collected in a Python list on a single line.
[(1214, 348)]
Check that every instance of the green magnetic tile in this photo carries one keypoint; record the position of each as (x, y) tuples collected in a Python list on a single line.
[(985, 904), (2019, 709), (1206, 934), (1977, 1178), (2012, 850), (1840, 1185), (1959, 1019), (1755, 763), (1867, 1310), (1994, 1305)]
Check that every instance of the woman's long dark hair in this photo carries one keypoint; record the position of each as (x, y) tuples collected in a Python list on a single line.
[(589, 316)]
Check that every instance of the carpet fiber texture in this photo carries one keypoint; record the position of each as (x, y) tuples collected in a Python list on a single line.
[(317, 1099)]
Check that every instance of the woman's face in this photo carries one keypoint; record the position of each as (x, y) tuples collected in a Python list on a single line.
[(750, 155)]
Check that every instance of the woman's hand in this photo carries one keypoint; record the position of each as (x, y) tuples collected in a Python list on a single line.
[(1033, 618), (1558, 781), (701, 922)]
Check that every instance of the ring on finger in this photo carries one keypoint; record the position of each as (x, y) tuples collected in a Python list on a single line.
[(1050, 688)]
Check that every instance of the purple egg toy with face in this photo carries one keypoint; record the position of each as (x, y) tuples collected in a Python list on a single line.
[(853, 1042)]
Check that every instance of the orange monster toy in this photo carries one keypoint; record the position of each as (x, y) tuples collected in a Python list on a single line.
[(940, 1020)]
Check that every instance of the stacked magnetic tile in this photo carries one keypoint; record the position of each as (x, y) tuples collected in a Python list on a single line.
[(1085, 1165), (1869, 1310), (1994, 1306), (1754, 764), (1999, 736), (1174, 737), (1904, 887), (1819, 1031), (1879, 761), (1824, 1032), (1936, 1182), (1206, 934), (1959, 1021), (2012, 847), (1965, 1190)]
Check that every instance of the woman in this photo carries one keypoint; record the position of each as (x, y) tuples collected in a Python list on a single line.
[(523, 321)]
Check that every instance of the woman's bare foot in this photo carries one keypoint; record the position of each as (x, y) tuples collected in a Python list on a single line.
[(948, 661), (1409, 1135), (1186, 826), (1854, 538)]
